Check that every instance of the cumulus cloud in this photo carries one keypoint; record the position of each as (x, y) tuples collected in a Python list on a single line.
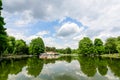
[(68, 29)]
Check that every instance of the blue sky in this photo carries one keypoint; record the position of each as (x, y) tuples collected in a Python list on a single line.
[(62, 23)]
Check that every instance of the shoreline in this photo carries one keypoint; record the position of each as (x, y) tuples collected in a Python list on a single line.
[(115, 55), (15, 56)]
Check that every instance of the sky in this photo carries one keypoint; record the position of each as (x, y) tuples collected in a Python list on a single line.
[(62, 23)]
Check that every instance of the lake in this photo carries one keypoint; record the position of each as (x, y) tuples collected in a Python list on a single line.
[(63, 68)]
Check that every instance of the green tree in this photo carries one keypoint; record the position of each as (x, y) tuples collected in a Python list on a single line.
[(11, 44), (3, 34), (118, 48), (118, 44), (50, 49), (110, 45), (85, 46), (20, 47), (68, 50), (98, 46), (75, 51), (37, 46), (118, 39)]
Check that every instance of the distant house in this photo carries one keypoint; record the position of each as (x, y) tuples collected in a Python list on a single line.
[(49, 55)]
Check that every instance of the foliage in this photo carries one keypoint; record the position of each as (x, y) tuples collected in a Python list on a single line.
[(3, 34), (62, 51), (37, 46), (68, 50), (20, 47), (85, 46), (110, 45), (118, 44), (98, 46), (75, 51), (118, 48), (50, 49), (11, 45)]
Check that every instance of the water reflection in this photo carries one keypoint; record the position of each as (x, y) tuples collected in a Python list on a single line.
[(34, 66), (63, 68), (11, 66), (88, 66), (114, 65)]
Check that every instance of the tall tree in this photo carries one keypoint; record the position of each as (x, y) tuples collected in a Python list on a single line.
[(118, 44), (110, 45), (20, 47), (85, 46), (118, 48), (3, 34), (11, 44), (37, 46), (68, 50), (98, 46)]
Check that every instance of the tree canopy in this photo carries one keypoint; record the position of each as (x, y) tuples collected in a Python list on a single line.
[(110, 45), (20, 47), (68, 50), (11, 45), (37, 46), (98, 46), (3, 34), (85, 46)]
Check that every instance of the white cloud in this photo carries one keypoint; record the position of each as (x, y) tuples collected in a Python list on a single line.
[(100, 18), (68, 29), (39, 34), (42, 33), (16, 33), (24, 19), (70, 34), (51, 42)]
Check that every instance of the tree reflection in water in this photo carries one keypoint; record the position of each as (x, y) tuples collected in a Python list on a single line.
[(88, 66), (102, 66), (114, 65), (11, 66), (35, 66), (61, 68)]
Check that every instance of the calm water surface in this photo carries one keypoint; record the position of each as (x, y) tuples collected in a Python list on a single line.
[(64, 68)]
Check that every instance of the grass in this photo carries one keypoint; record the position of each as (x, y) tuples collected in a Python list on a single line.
[(16, 56), (115, 55)]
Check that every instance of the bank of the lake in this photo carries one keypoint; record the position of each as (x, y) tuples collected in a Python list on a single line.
[(16, 56), (115, 55)]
